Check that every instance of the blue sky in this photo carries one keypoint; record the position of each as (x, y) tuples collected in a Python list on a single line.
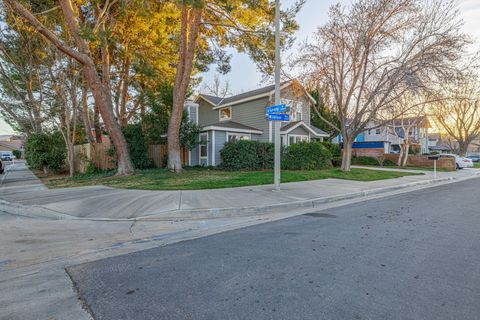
[(244, 76)]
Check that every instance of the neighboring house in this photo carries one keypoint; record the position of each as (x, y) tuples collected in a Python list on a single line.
[(375, 141), (9, 143), (243, 117), (441, 144)]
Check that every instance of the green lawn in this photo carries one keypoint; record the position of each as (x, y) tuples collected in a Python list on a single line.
[(476, 164), (194, 179)]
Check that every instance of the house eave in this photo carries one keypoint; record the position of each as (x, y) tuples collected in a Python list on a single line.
[(303, 124), (227, 129)]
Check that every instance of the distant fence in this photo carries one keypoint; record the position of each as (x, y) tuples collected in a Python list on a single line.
[(422, 161), (96, 154), (159, 152)]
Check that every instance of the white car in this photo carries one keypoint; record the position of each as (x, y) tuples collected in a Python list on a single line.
[(460, 162)]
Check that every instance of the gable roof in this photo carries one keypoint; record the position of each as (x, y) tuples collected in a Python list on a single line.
[(219, 102), (12, 145), (421, 121), (293, 125)]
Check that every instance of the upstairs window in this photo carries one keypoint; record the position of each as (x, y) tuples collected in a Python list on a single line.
[(233, 137), (225, 114)]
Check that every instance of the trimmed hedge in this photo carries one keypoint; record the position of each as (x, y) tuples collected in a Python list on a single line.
[(247, 155), (254, 155), (365, 161), (307, 156)]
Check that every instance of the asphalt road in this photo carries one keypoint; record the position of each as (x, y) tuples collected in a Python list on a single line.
[(412, 256)]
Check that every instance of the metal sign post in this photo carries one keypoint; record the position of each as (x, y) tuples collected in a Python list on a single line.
[(434, 158), (277, 96)]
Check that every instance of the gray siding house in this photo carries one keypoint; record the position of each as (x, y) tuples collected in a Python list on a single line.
[(242, 117)]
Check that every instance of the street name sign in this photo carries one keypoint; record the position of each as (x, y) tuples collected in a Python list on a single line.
[(278, 117), (281, 108)]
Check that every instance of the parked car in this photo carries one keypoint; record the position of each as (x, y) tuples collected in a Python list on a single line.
[(6, 156), (474, 158), (460, 162)]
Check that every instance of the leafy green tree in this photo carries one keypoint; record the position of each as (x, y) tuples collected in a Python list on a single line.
[(137, 146), (46, 151), (17, 154), (208, 26)]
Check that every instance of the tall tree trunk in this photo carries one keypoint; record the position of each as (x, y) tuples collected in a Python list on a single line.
[(401, 154), (124, 94), (191, 19), (106, 110), (85, 114), (406, 154), (96, 123), (463, 148), (347, 155)]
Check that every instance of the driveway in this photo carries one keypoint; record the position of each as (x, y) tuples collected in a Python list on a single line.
[(411, 256)]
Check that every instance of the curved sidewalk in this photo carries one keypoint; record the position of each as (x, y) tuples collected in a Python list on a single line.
[(23, 193)]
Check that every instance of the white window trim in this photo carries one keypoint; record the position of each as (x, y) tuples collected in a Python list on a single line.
[(213, 149), (220, 112), (297, 135), (200, 149), (238, 134)]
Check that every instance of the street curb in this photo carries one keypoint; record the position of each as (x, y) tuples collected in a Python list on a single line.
[(184, 214), (212, 213)]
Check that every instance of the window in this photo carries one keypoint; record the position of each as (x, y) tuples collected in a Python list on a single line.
[(297, 111), (296, 139), (225, 114), (232, 137), (378, 131), (203, 145)]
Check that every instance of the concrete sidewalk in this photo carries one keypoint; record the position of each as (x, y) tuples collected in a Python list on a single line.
[(23, 193)]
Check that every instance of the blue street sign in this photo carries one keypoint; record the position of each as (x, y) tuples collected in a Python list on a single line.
[(278, 117), (281, 108)]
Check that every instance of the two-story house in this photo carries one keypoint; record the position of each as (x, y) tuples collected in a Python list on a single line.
[(243, 117), (377, 140)]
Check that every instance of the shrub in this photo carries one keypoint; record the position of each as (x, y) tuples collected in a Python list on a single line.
[(137, 146), (307, 156), (389, 163), (334, 149), (247, 155), (17, 154), (45, 151), (365, 161)]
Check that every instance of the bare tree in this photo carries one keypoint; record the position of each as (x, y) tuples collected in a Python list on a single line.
[(374, 51), (411, 117), (65, 83), (459, 112), (217, 87)]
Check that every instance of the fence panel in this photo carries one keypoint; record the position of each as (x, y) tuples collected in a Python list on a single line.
[(158, 153), (95, 153)]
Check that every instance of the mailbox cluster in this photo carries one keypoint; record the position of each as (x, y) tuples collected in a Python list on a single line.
[(280, 112)]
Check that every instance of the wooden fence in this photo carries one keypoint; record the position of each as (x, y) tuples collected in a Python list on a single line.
[(158, 153), (97, 154)]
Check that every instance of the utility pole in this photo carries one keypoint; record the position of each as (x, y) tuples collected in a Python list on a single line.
[(277, 124)]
